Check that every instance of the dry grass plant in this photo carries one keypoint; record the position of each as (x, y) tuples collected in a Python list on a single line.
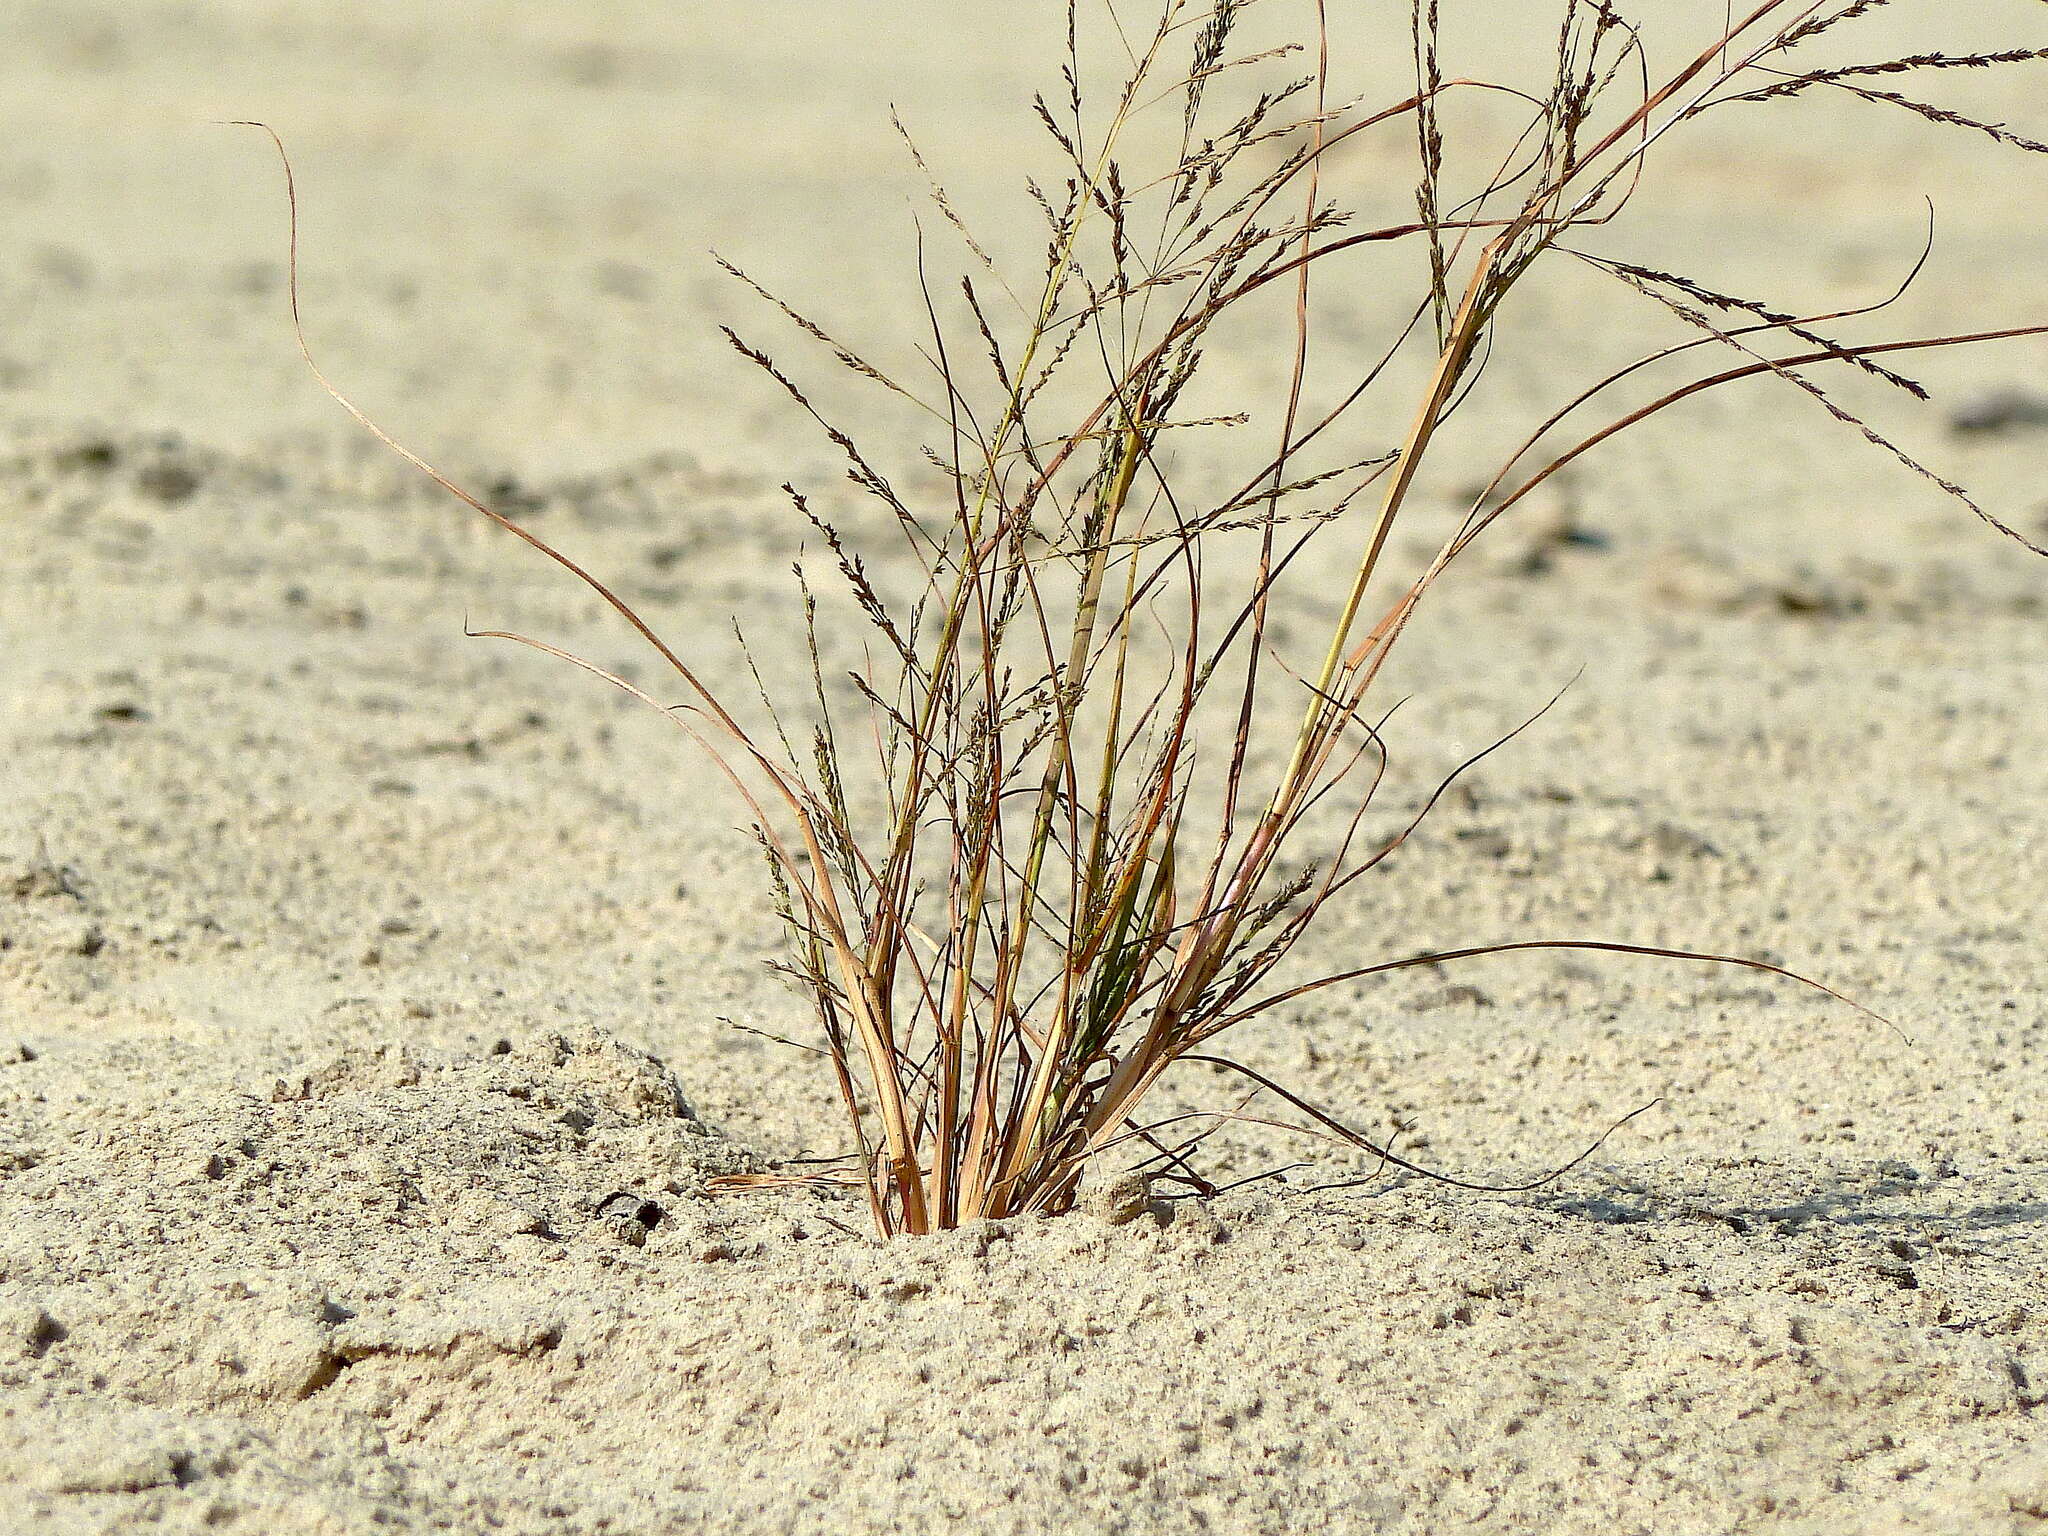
[(1028, 853)]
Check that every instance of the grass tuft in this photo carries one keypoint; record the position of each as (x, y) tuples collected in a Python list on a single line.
[(1027, 854)]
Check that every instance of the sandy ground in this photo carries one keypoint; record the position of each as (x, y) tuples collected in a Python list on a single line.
[(366, 993)]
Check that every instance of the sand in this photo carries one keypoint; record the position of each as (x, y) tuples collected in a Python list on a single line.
[(367, 994)]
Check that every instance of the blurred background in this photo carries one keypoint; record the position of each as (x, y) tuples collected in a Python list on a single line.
[(507, 208)]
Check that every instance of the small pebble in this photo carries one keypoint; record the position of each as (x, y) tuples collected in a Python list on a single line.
[(1118, 1199)]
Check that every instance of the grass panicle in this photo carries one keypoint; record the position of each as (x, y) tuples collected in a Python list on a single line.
[(1030, 852)]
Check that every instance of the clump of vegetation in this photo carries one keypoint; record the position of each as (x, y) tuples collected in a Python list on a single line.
[(1032, 854)]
